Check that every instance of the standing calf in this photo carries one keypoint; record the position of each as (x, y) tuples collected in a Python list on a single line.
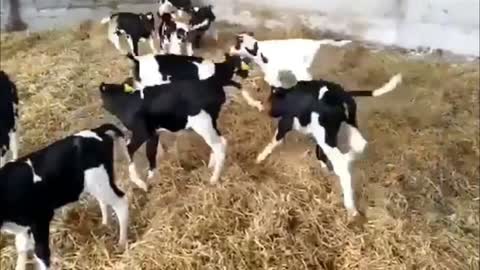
[(317, 108), (180, 105), (32, 187), (175, 36), (200, 22), (135, 27), (9, 118)]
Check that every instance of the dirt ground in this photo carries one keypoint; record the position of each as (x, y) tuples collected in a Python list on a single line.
[(418, 183)]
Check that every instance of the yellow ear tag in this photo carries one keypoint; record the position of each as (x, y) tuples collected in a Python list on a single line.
[(245, 66), (128, 89)]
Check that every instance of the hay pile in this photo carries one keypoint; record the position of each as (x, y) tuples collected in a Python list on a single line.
[(418, 183)]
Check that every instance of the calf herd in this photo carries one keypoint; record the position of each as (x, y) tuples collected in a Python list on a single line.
[(170, 90)]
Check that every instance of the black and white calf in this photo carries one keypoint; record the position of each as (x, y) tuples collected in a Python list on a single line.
[(32, 187), (201, 21), (175, 36), (319, 108), (135, 27), (9, 118), (180, 105), (156, 69)]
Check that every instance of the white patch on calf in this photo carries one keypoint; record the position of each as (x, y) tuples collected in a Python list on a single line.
[(322, 92), (13, 228), (200, 25), (88, 134), (13, 144), (36, 178), (356, 142), (3, 157), (149, 72), (206, 69), (202, 124), (40, 264), (97, 183)]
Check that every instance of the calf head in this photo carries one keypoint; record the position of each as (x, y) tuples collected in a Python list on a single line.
[(235, 65), (201, 14), (148, 20), (247, 46), (118, 98), (240, 65)]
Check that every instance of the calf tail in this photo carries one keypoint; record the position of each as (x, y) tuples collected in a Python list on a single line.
[(109, 129), (387, 87)]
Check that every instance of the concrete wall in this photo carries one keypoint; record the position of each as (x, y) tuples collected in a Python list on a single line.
[(444, 24), (440, 24)]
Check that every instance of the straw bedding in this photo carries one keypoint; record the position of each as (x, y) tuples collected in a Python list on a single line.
[(417, 184)]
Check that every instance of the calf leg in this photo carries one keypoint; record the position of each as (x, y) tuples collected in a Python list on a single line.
[(284, 126), (105, 212), (114, 37), (133, 43), (211, 161), (139, 136), (151, 42), (13, 144), (341, 167), (203, 124), (99, 182), (3, 156), (324, 162), (23, 246), (152, 147), (41, 236), (189, 48), (197, 39)]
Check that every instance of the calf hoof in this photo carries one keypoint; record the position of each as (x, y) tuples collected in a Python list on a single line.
[(356, 220), (353, 213), (150, 174), (123, 245)]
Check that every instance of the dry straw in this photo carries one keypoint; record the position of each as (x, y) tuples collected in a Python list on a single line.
[(418, 183)]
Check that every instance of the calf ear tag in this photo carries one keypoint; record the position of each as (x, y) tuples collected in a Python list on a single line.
[(128, 89), (245, 66)]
